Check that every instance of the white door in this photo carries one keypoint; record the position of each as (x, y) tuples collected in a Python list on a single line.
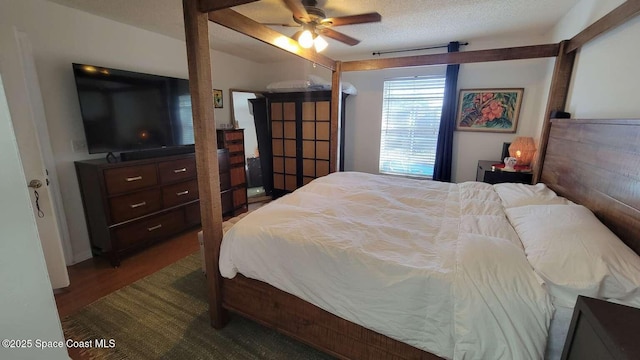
[(27, 113)]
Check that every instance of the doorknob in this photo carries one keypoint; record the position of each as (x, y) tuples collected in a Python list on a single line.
[(35, 184)]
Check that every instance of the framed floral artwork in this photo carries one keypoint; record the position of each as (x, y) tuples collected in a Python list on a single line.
[(217, 98), (489, 110)]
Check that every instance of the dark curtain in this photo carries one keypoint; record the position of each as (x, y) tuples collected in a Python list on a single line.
[(444, 148)]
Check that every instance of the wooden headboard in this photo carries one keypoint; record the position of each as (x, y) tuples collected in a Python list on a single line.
[(596, 163)]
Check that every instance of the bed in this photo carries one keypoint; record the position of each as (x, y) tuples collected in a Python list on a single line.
[(406, 258), (463, 302)]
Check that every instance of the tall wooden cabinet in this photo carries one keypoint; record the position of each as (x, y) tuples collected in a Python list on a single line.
[(301, 138), (233, 141)]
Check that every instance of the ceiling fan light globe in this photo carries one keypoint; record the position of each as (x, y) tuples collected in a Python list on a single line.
[(320, 43), (306, 39)]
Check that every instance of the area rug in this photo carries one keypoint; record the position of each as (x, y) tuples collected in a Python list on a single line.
[(165, 316)]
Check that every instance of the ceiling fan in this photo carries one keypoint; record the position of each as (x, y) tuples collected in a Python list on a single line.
[(314, 22)]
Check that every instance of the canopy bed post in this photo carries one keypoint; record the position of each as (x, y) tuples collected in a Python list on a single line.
[(196, 26), (563, 70), (336, 110), (556, 101)]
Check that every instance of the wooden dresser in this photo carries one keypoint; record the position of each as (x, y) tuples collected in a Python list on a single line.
[(131, 204), (233, 141)]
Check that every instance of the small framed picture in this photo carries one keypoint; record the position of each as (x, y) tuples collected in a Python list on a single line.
[(217, 99), (489, 110)]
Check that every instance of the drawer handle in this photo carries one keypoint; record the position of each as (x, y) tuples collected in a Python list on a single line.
[(154, 227), (182, 193), (135, 178), (176, 171), (133, 206)]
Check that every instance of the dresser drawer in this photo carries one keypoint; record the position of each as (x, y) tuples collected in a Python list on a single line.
[(238, 175), (235, 147), (236, 159), (239, 197), (192, 214), (180, 193), (153, 228), (130, 178), (233, 135), (177, 170), (131, 206)]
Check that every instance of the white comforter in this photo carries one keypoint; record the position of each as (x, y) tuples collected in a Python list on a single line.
[(432, 264)]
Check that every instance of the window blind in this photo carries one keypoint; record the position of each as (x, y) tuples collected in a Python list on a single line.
[(411, 110)]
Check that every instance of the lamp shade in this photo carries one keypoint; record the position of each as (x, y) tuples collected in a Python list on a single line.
[(523, 149), (306, 39)]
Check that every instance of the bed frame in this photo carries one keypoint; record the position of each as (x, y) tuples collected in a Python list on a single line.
[(594, 163)]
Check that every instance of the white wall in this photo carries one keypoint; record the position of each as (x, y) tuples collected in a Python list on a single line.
[(27, 307), (469, 147), (363, 121), (606, 73), (364, 111), (61, 36)]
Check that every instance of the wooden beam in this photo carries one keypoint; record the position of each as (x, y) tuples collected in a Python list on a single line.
[(196, 27), (615, 18), (556, 101), (336, 111), (206, 6), (514, 53), (238, 22)]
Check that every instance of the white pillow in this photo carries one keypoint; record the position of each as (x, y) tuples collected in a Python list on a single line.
[(513, 195), (289, 85), (576, 254), (319, 83)]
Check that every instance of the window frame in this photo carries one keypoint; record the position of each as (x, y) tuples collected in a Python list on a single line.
[(410, 122)]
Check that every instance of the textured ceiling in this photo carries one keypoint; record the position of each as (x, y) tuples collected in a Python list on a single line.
[(405, 23)]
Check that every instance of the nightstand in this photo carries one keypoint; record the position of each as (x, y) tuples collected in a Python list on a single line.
[(602, 330), (493, 175)]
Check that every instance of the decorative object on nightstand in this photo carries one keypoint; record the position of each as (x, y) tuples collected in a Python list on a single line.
[(602, 330), (510, 163), (523, 149), (492, 172)]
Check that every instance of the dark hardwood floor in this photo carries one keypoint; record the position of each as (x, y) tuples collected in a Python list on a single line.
[(95, 277)]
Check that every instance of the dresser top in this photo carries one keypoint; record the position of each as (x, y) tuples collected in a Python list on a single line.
[(617, 325)]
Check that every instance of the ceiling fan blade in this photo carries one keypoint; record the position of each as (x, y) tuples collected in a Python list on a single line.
[(339, 36), (352, 19), (281, 24), (298, 10)]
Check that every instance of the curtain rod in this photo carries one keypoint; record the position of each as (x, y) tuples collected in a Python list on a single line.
[(416, 49)]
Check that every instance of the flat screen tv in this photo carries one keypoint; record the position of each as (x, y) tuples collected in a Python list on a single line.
[(124, 111)]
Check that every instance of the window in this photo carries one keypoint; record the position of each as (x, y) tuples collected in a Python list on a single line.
[(411, 111)]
